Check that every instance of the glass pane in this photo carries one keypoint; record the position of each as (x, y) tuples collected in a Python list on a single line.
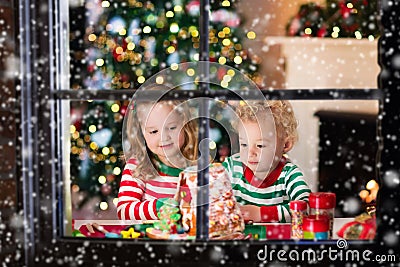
[(336, 151), (96, 162), (317, 44), (119, 44), (232, 44), (96, 158)]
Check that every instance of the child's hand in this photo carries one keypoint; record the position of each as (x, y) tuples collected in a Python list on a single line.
[(250, 213)]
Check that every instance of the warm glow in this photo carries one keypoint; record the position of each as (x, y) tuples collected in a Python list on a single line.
[(92, 128), (335, 34), (369, 195), (178, 8), (371, 185), (93, 146), (238, 60), (224, 84), (117, 171), (251, 35), (363, 194), (170, 49), (160, 80), (114, 107), (122, 32), (92, 37), (231, 73), (190, 72), (75, 188), (226, 3), (147, 29), (103, 205), (212, 145), (72, 129), (119, 50), (102, 179), (139, 72), (227, 78), (154, 62), (130, 46), (226, 42), (222, 60), (75, 135), (194, 33), (99, 62), (174, 66), (105, 4), (105, 151)]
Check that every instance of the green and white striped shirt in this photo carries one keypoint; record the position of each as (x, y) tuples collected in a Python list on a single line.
[(273, 194)]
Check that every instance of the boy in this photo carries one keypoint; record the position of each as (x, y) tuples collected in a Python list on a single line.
[(264, 181)]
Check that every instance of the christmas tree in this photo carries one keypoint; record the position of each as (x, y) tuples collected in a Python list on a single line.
[(125, 43), (338, 18)]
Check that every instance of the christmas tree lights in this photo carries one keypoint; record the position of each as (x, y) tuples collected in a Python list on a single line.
[(337, 18)]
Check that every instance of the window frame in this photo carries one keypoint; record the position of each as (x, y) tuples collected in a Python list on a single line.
[(41, 192)]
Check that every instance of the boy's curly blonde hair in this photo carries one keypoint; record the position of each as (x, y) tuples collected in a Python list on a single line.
[(281, 110)]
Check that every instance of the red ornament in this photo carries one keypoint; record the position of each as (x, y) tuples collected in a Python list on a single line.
[(321, 32), (91, 68), (344, 10), (123, 110)]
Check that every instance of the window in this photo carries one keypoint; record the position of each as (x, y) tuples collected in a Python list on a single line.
[(45, 218)]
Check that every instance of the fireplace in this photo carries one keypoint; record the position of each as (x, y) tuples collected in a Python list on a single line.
[(348, 158)]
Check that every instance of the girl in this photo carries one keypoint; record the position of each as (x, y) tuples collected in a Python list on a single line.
[(163, 141)]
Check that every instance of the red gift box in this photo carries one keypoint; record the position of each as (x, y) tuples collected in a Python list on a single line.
[(278, 230)]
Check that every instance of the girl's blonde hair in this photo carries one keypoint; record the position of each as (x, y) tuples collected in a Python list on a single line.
[(281, 110), (146, 167)]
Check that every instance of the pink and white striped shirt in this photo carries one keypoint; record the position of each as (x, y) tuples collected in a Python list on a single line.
[(137, 198)]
